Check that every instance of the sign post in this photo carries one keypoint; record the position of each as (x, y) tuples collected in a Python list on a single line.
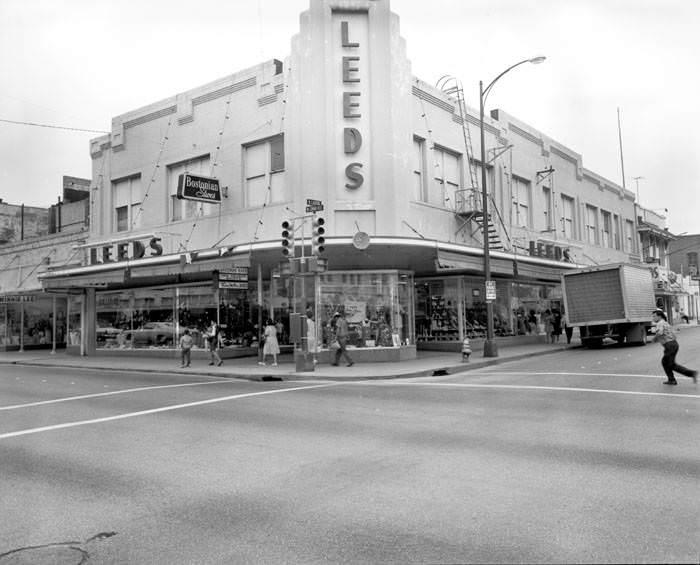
[(313, 205), (490, 290)]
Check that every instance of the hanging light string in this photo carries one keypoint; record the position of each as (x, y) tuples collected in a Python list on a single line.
[(431, 146), (41, 262), (163, 143), (51, 126), (268, 196), (10, 262), (200, 212)]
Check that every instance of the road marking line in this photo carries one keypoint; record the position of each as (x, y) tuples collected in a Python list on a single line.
[(538, 373), (98, 394), (154, 411), (527, 387)]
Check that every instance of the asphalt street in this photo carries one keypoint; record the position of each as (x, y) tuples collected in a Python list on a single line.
[(574, 457)]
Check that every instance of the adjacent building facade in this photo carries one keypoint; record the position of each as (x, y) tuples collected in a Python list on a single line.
[(29, 317), (341, 130)]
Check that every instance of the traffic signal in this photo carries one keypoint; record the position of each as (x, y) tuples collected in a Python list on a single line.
[(288, 238), (318, 242)]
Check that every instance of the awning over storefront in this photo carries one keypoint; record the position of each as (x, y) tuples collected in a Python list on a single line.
[(514, 266), (165, 269)]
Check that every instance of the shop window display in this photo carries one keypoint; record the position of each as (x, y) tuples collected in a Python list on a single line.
[(450, 309), (38, 322), (156, 318), (75, 305), (9, 332), (529, 303), (377, 305)]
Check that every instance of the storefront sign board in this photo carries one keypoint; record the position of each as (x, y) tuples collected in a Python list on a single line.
[(14, 298), (199, 188)]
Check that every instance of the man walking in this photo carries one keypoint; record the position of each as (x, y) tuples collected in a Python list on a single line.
[(667, 339), (341, 336)]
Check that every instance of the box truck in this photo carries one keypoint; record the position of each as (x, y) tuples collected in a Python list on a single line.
[(609, 301)]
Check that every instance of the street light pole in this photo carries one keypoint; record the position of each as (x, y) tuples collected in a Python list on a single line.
[(490, 347)]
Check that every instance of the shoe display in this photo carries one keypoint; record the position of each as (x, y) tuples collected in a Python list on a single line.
[(670, 382)]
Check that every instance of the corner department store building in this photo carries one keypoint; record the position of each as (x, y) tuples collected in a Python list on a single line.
[(344, 122)]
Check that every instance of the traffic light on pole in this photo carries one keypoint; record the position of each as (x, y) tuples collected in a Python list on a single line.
[(318, 242), (288, 238)]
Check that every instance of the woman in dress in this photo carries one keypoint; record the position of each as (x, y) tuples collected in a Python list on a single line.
[(271, 346)]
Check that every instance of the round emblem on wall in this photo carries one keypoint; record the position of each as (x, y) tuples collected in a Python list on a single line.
[(360, 240)]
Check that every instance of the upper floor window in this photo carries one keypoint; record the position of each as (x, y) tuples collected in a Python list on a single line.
[(418, 169), (629, 236), (607, 228), (263, 165), (447, 178), (591, 224), (126, 200), (567, 216), (616, 231), (521, 202), (184, 209), (547, 208), (692, 263)]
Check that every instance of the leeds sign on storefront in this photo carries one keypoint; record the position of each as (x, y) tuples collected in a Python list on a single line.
[(201, 189)]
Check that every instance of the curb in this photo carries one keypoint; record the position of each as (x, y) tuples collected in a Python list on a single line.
[(438, 370)]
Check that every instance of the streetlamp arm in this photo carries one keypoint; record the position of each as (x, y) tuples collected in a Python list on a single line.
[(534, 60)]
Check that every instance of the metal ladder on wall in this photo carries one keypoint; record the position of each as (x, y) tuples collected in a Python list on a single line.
[(469, 205)]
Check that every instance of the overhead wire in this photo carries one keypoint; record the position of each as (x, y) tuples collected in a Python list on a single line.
[(35, 124)]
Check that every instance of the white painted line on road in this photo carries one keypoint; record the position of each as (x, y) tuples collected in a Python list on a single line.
[(526, 387), (98, 394), (155, 411), (493, 370)]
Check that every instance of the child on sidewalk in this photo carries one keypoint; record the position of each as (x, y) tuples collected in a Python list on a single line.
[(186, 343)]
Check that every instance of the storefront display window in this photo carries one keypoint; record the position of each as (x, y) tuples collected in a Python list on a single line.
[(529, 303), (11, 323), (38, 326), (149, 318), (75, 305), (443, 306), (236, 318), (378, 306)]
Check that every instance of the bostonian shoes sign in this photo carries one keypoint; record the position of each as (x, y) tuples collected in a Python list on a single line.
[(202, 189)]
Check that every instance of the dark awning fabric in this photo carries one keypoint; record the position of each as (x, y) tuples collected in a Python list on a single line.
[(97, 280), (538, 272), (447, 261), (521, 267), (134, 274)]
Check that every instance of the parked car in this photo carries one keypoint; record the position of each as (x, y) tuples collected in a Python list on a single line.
[(158, 334), (105, 333)]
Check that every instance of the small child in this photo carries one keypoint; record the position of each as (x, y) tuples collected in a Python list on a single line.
[(186, 343)]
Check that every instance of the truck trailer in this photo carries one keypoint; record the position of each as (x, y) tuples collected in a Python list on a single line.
[(609, 301)]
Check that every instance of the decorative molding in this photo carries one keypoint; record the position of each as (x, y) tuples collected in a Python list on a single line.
[(434, 100), (150, 117), (525, 134), (225, 91), (269, 99)]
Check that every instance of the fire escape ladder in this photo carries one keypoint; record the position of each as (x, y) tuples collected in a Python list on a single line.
[(468, 202)]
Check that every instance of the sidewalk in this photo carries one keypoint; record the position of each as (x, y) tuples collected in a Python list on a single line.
[(427, 363)]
